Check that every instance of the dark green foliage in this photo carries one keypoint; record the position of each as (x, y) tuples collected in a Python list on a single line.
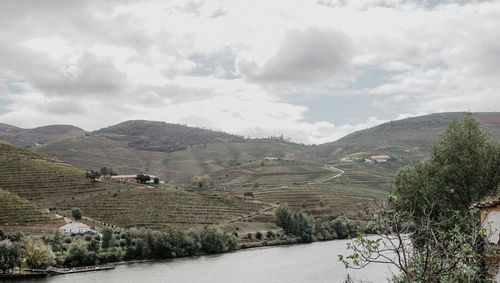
[(94, 246), (3, 236), (79, 255), (249, 235), (298, 224), (258, 235), (156, 180), (76, 213), (464, 168), (105, 171), (16, 236), (433, 212), (270, 234), (10, 255), (107, 237), (213, 240), (143, 179), (92, 174)]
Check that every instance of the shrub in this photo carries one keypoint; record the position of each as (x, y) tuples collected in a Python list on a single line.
[(270, 234), (258, 235)]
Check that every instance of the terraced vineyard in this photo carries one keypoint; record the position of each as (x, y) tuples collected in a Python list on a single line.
[(272, 173), (18, 214), (156, 208), (315, 200), (46, 181)]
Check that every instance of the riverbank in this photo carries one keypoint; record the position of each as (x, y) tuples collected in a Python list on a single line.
[(314, 262)]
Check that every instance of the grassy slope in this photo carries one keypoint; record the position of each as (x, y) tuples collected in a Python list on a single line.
[(177, 167)]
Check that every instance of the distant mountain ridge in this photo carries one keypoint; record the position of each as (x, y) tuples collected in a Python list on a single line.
[(407, 139), (38, 136), (162, 136)]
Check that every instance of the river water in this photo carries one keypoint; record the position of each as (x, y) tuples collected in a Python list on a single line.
[(315, 262)]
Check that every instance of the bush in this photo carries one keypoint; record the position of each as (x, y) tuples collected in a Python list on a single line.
[(270, 234), (258, 235), (249, 235)]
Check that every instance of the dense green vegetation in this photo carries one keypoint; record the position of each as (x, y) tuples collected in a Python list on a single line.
[(432, 216)]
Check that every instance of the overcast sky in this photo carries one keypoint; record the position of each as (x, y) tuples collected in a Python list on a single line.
[(310, 70)]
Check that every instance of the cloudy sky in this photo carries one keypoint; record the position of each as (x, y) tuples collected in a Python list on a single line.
[(310, 70)]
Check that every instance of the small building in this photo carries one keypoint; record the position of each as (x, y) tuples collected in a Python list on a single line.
[(130, 177), (270, 158), (346, 159), (74, 228), (380, 158), (490, 219)]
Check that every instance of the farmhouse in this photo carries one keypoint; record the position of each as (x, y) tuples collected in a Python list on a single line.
[(74, 228), (270, 158), (346, 159), (130, 177), (490, 219), (380, 158)]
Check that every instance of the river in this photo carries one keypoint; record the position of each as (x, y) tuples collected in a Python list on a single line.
[(315, 262)]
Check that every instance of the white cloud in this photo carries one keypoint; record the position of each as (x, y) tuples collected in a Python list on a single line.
[(232, 65)]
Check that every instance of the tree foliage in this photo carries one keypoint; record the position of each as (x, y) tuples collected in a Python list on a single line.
[(37, 254), (431, 224), (143, 179), (92, 174), (76, 213), (10, 255)]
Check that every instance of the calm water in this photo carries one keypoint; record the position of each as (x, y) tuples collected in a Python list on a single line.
[(316, 262)]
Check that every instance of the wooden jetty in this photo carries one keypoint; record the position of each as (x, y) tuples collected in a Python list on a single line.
[(55, 270)]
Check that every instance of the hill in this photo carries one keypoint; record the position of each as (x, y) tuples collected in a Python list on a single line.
[(404, 140), (38, 136), (173, 152), (161, 136)]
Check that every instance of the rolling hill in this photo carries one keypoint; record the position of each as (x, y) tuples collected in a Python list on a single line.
[(38, 136), (173, 152), (404, 140)]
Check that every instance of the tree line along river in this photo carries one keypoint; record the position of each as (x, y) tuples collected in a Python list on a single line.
[(315, 262)]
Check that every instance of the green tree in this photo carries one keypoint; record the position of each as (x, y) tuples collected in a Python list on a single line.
[(10, 255), (37, 254), (76, 213), (156, 180), (79, 255), (283, 218), (93, 175), (143, 179), (431, 215), (107, 237)]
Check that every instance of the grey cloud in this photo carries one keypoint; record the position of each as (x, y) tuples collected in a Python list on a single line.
[(174, 94), (63, 107), (207, 64), (304, 57), (88, 76)]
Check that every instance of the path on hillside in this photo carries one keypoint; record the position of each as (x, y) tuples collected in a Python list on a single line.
[(331, 168), (243, 218)]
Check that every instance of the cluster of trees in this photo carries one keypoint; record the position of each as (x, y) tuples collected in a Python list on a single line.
[(114, 245), (307, 229), (16, 251), (431, 225), (105, 171), (92, 175)]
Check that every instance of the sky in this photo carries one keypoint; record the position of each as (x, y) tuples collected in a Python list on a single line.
[(312, 71)]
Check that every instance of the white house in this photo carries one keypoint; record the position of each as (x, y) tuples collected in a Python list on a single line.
[(270, 158), (380, 158), (74, 228), (346, 159)]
